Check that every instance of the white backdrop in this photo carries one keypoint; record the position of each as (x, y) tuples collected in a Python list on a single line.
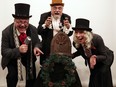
[(101, 14)]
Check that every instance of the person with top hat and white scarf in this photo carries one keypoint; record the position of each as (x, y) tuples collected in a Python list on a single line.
[(97, 56), (19, 46)]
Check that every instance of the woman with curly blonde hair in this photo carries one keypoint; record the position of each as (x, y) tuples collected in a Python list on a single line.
[(97, 56)]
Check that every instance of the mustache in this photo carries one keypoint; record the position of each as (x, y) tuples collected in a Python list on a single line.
[(56, 13)]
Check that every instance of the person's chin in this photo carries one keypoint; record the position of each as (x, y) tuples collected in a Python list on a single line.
[(56, 16), (81, 42), (22, 31)]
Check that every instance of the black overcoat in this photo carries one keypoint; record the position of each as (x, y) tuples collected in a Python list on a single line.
[(10, 53), (47, 34), (100, 76)]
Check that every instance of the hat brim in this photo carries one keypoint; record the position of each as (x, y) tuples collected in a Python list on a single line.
[(87, 29), (22, 17), (53, 4)]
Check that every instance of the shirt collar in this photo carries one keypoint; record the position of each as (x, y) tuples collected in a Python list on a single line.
[(18, 33)]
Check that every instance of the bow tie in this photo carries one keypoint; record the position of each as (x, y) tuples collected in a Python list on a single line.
[(22, 37)]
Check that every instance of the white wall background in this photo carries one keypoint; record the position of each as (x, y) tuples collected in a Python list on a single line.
[(101, 13)]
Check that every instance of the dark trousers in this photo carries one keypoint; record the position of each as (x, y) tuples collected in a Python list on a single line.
[(12, 78), (101, 77)]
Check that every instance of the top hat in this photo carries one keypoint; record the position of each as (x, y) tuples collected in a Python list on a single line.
[(22, 11), (57, 2), (82, 24)]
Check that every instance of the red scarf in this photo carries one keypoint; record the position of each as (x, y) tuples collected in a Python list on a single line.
[(22, 37)]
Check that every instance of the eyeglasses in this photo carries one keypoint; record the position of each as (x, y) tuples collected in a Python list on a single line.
[(22, 21)]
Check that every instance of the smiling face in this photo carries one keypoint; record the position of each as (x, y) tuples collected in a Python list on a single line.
[(56, 11), (80, 35), (21, 24)]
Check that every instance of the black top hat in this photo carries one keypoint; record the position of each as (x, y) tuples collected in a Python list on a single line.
[(22, 11), (82, 24)]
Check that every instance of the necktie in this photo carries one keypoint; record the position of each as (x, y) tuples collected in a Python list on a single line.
[(22, 37), (87, 52)]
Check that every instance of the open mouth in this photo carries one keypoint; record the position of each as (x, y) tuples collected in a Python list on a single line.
[(80, 39), (56, 13)]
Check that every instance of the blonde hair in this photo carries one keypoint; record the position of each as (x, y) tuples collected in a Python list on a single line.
[(88, 35)]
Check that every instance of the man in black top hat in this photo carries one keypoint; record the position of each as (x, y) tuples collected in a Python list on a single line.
[(20, 45)]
